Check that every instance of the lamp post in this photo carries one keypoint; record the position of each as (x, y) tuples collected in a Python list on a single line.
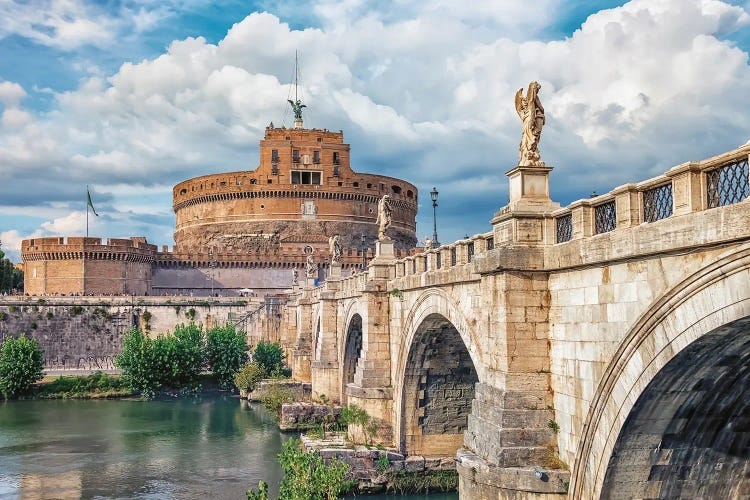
[(211, 266), (434, 196), (362, 249)]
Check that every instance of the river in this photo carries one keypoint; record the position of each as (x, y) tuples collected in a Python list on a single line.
[(185, 448)]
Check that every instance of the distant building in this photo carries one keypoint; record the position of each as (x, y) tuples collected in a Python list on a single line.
[(246, 229)]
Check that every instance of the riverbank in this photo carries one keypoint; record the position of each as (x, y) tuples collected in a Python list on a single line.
[(99, 385)]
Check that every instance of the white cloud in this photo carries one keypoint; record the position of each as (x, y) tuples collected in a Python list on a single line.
[(11, 243), (65, 24), (426, 95), (72, 224), (11, 93)]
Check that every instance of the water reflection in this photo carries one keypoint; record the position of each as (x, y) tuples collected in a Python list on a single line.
[(135, 449)]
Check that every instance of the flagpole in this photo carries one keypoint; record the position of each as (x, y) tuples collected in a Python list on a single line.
[(87, 210)]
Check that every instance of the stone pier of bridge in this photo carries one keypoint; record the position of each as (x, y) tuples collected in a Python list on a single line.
[(585, 351)]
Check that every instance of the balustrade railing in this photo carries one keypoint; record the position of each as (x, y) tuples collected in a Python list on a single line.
[(564, 228), (605, 217), (657, 203), (727, 184)]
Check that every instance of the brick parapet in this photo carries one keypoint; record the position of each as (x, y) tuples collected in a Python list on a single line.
[(83, 248)]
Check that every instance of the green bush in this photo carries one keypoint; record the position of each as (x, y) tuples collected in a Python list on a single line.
[(190, 314), (307, 476), (274, 397), (149, 365), (76, 310), (248, 377), (188, 359), (21, 365), (138, 363), (270, 357), (226, 352)]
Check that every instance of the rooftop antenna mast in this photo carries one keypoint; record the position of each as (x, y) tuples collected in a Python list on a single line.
[(296, 103)]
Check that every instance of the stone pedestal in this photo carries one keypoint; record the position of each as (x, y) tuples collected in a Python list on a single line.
[(335, 271), (310, 282), (384, 249), (526, 219)]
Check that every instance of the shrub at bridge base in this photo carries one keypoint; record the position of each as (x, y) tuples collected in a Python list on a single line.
[(21, 365), (226, 352)]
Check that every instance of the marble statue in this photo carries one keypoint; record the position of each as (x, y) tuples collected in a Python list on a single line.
[(334, 248), (295, 277), (311, 268), (530, 110), (384, 216)]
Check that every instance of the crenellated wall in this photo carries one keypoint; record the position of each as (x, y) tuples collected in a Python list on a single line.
[(86, 266)]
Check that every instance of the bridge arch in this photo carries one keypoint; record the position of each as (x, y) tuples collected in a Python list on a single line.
[(351, 346), (686, 318), (438, 366)]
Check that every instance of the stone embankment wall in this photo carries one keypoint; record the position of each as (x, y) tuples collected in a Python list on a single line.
[(85, 333)]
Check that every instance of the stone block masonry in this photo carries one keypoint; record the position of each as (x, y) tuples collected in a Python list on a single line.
[(85, 333)]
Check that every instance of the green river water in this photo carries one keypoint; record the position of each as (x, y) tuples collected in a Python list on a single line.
[(209, 448)]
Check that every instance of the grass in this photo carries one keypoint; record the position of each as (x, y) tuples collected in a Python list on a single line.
[(421, 482), (94, 386)]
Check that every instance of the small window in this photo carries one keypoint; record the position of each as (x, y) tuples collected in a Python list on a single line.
[(369, 186), (288, 138), (212, 184), (320, 139), (382, 186), (341, 183), (262, 206), (355, 184), (409, 194), (253, 181), (316, 156), (274, 155), (295, 156), (396, 189), (269, 181), (183, 191), (239, 182), (223, 183), (335, 158)]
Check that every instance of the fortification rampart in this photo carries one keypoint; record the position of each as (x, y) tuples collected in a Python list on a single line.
[(85, 333), (79, 265)]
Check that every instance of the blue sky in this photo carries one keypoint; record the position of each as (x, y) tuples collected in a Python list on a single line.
[(134, 96)]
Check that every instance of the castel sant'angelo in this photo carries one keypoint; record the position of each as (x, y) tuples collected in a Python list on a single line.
[(252, 229)]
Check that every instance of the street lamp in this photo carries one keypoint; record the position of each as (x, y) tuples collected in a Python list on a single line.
[(434, 196), (211, 266), (362, 249)]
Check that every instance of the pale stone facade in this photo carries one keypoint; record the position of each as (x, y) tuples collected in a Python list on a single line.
[(562, 314)]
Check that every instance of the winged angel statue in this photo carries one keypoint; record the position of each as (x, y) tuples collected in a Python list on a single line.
[(530, 110)]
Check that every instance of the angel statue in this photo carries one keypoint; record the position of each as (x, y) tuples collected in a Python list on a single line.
[(530, 110), (297, 108), (295, 277), (311, 268), (334, 248), (384, 216)]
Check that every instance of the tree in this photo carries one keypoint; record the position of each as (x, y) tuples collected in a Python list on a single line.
[(270, 357), (226, 352), (21, 365), (10, 277)]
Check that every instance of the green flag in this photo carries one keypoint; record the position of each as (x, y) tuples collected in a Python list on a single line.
[(88, 197)]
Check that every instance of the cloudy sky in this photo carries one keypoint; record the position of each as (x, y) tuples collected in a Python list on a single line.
[(133, 96)]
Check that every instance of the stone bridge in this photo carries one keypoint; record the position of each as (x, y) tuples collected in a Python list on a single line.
[(598, 350)]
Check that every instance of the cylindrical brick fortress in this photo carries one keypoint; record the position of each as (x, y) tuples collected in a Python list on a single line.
[(303, 192)]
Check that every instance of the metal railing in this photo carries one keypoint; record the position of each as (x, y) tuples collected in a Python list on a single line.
[(657, 203), (727, 184), (605, 217), (564, 228)]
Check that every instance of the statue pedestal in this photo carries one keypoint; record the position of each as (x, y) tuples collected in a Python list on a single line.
[(310, 282), (384, 249), (335, 271), (526, 219)]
